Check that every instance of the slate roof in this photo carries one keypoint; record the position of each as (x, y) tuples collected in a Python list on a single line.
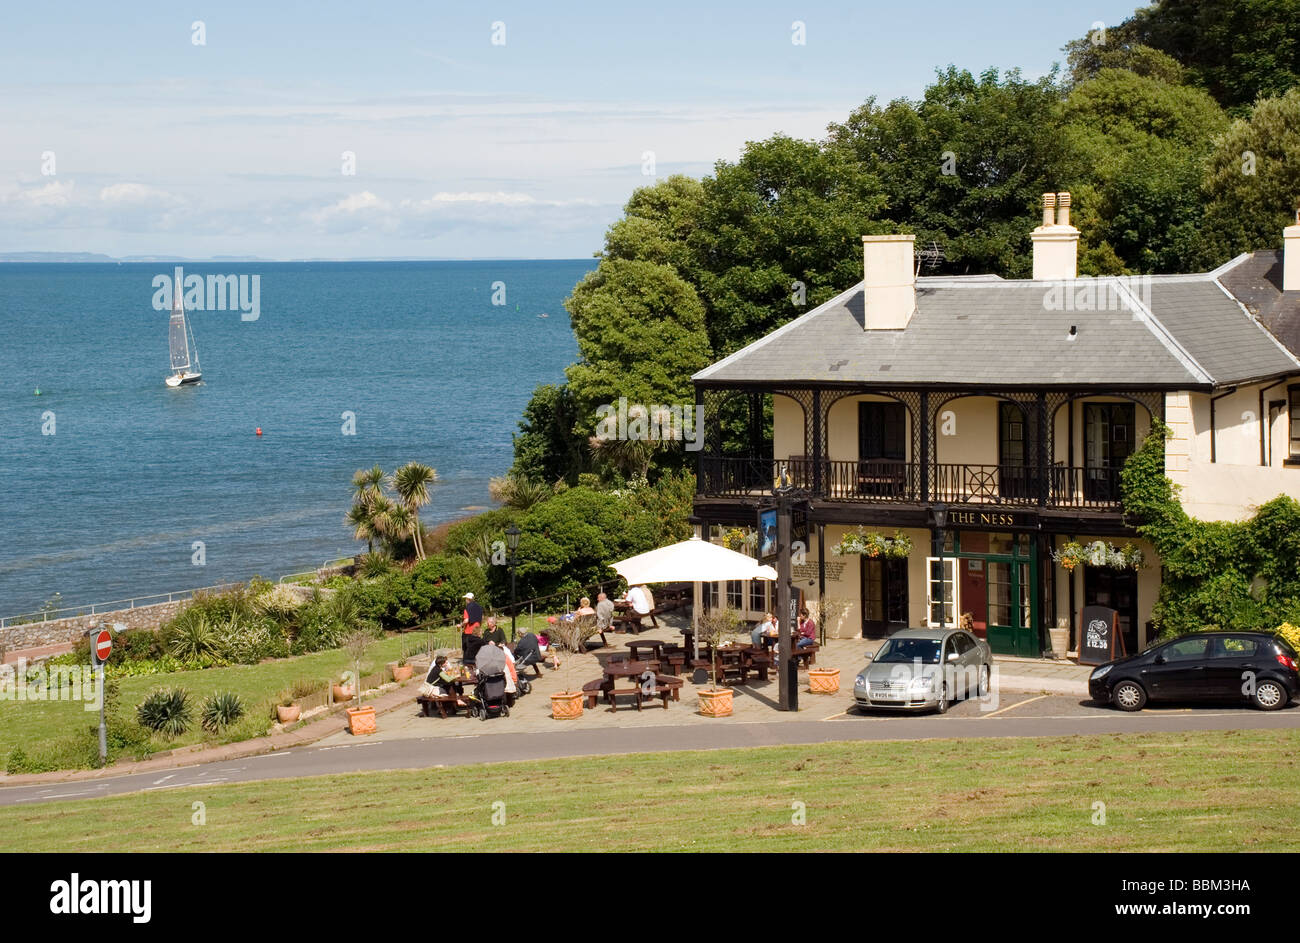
[(1256, 281), (1185, 332)]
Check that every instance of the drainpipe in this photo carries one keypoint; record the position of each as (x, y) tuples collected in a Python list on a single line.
[(1265, 422), (1214, 399)]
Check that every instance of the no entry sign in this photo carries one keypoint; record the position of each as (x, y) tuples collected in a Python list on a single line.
[(103, 645)]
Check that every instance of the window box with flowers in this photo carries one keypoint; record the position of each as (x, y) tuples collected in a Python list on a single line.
[(1099, 554), (872, 544)]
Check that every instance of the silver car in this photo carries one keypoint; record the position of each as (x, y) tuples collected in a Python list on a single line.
[(924, 669)]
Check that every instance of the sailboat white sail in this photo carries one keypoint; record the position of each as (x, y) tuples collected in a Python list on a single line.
[(180, 337)]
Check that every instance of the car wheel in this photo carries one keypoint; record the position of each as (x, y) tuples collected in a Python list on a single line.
[(1269, 696), (1129, 696), (942, 706), (982, 688)]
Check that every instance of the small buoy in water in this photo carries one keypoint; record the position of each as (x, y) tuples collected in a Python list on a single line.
[(259, 430), (38, 391)]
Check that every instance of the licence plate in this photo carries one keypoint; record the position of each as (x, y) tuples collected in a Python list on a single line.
[(887, 695)]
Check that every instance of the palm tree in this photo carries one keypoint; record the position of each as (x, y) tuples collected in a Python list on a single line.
[(367, 490), (394, 521), (366, 483), (632, 457), (411, 482)]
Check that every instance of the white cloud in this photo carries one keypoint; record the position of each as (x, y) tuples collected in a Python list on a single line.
[(135, 194), (54, 193)]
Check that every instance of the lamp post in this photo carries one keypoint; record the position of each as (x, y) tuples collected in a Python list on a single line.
[(512, 544), (787, 674), (940, 521)]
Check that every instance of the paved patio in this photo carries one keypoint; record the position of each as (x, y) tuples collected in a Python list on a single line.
[(755, 702)]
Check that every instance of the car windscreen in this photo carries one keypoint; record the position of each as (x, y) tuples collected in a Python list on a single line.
[(908, 650)]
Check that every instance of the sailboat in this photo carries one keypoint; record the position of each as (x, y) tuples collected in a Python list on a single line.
[(181, 339)]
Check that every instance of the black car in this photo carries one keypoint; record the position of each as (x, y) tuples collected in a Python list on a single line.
[(1206, 666)]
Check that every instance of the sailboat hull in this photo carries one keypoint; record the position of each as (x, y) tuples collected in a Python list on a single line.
[(184, 379)]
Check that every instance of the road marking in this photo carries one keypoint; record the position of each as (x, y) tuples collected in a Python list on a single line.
[(265, 755), (1011, 707), (62, 795), (164, 779)]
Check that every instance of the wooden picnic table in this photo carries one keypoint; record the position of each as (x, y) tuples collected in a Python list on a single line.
[(636, 644)]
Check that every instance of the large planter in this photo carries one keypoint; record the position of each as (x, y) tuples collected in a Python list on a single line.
[(402, 673), (342, 693), (716, 703), (566, 705), (823, 680), (288, 715), (361, 720), (1060, 639)]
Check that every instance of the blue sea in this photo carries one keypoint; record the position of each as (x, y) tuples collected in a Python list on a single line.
[(110, 504)]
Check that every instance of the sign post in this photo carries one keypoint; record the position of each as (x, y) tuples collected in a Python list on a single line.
[(101, 646)]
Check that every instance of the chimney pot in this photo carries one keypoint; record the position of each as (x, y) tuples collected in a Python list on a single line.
[(1063, 209), (1049, 208)]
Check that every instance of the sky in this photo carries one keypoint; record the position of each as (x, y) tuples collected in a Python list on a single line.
[(476, 130)]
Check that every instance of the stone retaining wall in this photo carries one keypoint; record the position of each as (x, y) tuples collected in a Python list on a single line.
[(67, 631)]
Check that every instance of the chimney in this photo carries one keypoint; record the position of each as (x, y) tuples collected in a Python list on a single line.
[(1291, 256), (1056, 242), (889, 281)]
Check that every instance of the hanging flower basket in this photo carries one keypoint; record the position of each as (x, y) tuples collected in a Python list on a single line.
[(1099, 554), (872, 544)]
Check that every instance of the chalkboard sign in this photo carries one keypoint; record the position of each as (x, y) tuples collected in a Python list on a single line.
[(1098, 639)]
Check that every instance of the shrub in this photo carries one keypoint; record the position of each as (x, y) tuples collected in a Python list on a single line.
[(1289, 634), (305, 687), (166, 711), (220, 711), (190, 635)]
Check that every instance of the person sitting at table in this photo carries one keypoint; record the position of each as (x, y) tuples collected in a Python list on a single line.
[(440, 682), (766, 627), (493, 633), (470, 643), (584, 608), (604, 612), (512, 673), (807, 629), (528, 651), (639, 600)]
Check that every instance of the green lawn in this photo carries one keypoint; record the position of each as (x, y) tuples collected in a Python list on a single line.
[(1206, 791), (58, 730)]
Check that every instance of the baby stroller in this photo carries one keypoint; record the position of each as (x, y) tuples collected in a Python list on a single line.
[(489, 697), (522, 684)]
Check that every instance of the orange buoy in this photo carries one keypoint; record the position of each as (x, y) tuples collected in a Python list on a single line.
[(259, 430)]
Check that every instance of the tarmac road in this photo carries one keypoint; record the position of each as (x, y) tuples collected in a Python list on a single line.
[(1016, 716)]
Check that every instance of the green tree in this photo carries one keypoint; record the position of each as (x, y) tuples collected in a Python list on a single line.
[(1237, 50), (966, 166), (1145, 145), (640, 332), (780, 232), (546, 447), (1252, 186)]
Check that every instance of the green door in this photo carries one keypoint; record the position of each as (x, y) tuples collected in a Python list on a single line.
[(1010, 619)]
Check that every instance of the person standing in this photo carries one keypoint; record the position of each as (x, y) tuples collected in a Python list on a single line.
[(471, 618)]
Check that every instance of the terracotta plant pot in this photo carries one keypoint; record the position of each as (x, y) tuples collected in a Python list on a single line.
[(716, 703), (566, 705), (823, 680), (288, 714), (342, 693), (361, 720), (402, 673)]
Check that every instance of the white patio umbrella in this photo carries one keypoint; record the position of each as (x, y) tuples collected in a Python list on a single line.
[(694, 560)]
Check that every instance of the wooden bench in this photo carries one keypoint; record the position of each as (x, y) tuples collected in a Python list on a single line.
[(428, 702), (807, 655), (661, 691), (594, 691)]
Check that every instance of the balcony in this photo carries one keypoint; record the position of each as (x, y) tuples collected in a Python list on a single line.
[(881, 481)]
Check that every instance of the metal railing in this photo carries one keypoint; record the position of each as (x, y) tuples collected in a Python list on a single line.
[(131, 602), (887, 480)]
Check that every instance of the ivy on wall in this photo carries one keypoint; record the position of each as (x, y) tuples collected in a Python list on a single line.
[(1217, 575)]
